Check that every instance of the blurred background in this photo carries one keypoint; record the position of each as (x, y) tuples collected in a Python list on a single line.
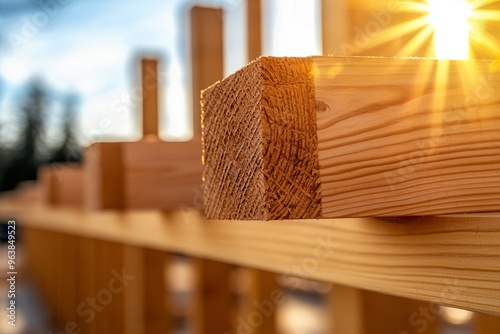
[(68, 76), (71, 64)]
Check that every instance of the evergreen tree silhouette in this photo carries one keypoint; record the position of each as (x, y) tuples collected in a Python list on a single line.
[(69, 150), (26, 157)]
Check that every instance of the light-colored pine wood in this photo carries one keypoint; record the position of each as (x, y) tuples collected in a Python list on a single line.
[(207, 55), (62, 184), (487, 324), (213, 303), (426, 145), (143, 175), (388, 314), (346, 305), (67, 280), (254, 28), (156, 294), (133, 295), (335, 27), (451, 260), (149, 85), (366, 312), (110, 261), (259, 297), (87, 268), (326, 137), (103, 176)]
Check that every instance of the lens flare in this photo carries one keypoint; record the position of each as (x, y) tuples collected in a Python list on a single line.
[(450, 20)]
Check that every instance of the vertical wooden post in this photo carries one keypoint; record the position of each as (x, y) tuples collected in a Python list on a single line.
[(87, 269), (487, 324), (157, 315), (104, 177), (258, 302), (213, 304), (115, 310), (254, 28), (110, 309), (149, 85), (67, 264), (134, 299), (207, 56), (334, 26), (347, 307)]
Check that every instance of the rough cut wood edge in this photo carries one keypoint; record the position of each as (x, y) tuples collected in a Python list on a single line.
[(259, 125)]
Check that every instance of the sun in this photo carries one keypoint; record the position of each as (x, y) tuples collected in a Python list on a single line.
[(450, 21)]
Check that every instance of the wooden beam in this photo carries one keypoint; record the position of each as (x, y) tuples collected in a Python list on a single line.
[(104, 185), (335, 23), (143, 175), (207, 55), (366, 312), (425, 258), (325, 137), (111, 281), (346, 305), (258, 297), (149, 86), (62, 184), (133, 295), (156, 292), (254, 28), (213, 299), (66, 280), (87, 287), (487, 324)]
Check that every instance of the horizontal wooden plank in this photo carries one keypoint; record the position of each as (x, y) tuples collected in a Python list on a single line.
[(325, 137), (450, 260)]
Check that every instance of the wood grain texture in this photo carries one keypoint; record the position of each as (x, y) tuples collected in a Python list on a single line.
[(326, 137), (450, 260), (144, 175), (423, 144), (207, 55), (149, 87), (260, 144)]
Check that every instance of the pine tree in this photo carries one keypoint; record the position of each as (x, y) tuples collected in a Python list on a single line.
[(26, 154), (69, 150)]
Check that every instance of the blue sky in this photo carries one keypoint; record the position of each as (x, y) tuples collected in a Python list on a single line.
[(91, 47)]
